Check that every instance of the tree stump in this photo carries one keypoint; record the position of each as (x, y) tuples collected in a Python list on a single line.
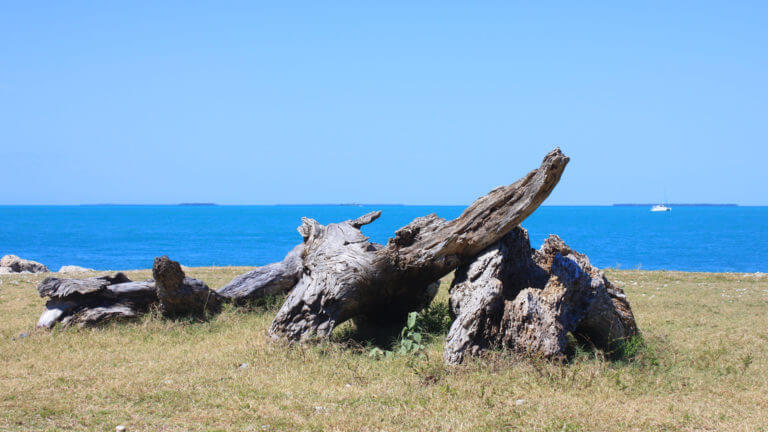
[(346, 276), (528, 301), (181, 295)]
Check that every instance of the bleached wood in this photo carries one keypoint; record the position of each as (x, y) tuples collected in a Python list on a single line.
[(94, 300), (272, 279), (346, 276), (528, 301)]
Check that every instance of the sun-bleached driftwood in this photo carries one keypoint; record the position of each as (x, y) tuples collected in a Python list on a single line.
[(525, 300), (346, 276), (178, 294), (100, 299), (94, 300), (272, 279)]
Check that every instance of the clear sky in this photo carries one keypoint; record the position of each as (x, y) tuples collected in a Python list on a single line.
[(381, 102)]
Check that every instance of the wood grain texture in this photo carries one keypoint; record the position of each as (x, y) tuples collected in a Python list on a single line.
[(346, 276), (181, 295), (94, 300), (272, 279), (528, 301)]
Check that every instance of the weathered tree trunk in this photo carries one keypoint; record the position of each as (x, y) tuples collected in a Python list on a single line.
[(272, 279), (94, 300), (514, 297), (181, 295), (100, 299), (346, 276)]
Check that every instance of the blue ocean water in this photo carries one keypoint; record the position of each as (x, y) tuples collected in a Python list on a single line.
[(712, 239)]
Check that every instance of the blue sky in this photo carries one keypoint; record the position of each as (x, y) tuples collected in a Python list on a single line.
[(387, 102)]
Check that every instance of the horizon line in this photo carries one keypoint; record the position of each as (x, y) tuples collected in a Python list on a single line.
[(210, 204)]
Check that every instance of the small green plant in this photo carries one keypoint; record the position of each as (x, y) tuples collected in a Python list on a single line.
[(635, 350), (410, 342), (411, 339), (378, 353), (628, 349), (436, 318)]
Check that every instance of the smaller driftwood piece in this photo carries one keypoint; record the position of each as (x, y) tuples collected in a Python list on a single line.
[(181, 295), (269, 280), (101, 299), (528, 301), (94, 300)]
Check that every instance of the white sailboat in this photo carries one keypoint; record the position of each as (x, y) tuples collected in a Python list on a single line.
[(661, 207)]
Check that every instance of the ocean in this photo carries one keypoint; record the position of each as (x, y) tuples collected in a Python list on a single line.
[(708, 239)]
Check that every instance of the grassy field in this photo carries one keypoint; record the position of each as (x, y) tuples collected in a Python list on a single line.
[(705, 367)]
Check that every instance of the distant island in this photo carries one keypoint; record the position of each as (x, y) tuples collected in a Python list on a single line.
[(144, 205), (677, 205), (338, 205)]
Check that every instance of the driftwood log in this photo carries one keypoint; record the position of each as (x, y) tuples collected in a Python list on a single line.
[(181, 295), (346, 276), (94, 300), (272, 279), (97, 300), (528, 301), (101, 299)]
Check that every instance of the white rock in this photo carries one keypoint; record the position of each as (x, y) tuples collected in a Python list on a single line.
[(73, 269), (519, 401), (18, 265), (120, 428), (5, 270)]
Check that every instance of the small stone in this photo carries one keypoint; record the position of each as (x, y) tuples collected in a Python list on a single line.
[(19, 265), (73, 269), (243, 366), (120, 428), (21, 336), (519, 402)]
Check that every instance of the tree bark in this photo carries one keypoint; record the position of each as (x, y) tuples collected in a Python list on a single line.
[(345, 276), (528, 301)]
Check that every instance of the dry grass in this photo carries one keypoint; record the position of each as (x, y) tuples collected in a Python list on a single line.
[(705, 368)]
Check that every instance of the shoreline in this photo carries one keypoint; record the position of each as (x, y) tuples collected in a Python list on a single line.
[(244, 268)]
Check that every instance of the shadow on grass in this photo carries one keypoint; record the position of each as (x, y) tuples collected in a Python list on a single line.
[(434, 321), (270, 303), (622, 351)]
